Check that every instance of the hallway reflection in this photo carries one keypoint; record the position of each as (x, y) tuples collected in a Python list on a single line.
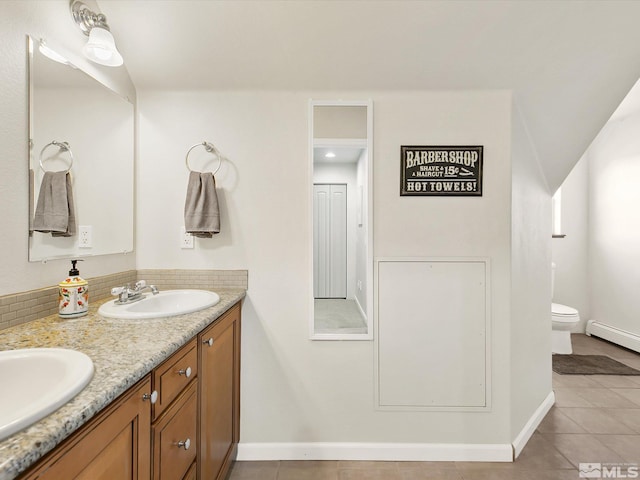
[(338, 315)]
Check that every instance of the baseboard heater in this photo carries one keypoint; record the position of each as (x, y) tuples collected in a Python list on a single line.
[(615, 335)]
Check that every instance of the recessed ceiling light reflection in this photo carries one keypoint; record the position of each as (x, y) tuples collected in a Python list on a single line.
[(329, 155)]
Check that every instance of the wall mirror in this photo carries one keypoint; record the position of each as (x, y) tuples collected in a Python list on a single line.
[(341, 153), (68, 105)]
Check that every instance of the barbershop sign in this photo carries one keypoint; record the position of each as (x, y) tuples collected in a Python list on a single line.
[(441, 171)]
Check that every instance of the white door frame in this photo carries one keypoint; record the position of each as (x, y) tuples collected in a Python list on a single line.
[(369, 216)]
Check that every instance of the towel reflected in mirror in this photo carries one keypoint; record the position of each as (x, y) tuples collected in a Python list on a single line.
[(55, 211)]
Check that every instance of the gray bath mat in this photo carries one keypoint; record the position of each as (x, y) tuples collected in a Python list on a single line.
[(590, 365)]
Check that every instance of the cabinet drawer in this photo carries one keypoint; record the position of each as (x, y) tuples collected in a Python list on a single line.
[(174, 438), (173, 375)]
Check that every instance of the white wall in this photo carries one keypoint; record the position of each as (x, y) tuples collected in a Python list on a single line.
[(614, 224), (571, 253), (598, 262), (530, 280), (50, 20), (362, 232), (334, 121), (294, 389)]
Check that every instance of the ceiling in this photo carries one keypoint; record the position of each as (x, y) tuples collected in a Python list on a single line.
[(342, 154), (630, 105), (568, 63)]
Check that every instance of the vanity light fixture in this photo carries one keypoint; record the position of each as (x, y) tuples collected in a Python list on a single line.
[(329, 155), (101, 47)]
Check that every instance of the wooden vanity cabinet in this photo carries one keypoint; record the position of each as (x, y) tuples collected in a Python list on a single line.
[(115, 444), (192, 474), (219, 395), (181, 422)]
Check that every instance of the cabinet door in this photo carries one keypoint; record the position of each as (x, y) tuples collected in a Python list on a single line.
[(116, 444), (219, 394)]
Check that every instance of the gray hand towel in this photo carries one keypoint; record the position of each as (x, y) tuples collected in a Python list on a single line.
[(201, 210), (55, 212)]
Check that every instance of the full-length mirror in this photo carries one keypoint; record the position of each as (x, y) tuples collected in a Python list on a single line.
[(341, 148), (78, 125)]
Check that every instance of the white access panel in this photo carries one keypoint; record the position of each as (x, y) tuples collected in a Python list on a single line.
[(432, 323)]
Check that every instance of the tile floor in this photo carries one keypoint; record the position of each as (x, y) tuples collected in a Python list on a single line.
[(338, 315), (596, 418)]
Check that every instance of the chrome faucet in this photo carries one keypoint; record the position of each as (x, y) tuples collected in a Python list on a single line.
[(130, 294)]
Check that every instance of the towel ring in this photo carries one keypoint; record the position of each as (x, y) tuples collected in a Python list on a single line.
[(64, 147), (209, 147)]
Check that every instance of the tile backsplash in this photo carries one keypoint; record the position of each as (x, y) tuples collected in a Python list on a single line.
[(204, 279), (18, 308)]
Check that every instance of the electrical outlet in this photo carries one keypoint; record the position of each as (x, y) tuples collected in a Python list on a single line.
[(186, 239), (84, 236)]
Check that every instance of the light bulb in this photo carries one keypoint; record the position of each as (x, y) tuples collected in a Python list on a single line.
[(101, 48)]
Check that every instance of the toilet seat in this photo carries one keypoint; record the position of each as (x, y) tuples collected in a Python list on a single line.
[(563, 311)]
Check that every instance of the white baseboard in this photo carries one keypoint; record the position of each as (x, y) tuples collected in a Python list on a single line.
[(527, 431), (416, 452), (621, 337)]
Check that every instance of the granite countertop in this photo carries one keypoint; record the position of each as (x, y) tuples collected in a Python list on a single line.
[(123, 351)]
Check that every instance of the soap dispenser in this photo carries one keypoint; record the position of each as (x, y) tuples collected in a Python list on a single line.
[(73, 297)]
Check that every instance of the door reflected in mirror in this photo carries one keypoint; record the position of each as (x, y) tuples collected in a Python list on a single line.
[(341, 147)]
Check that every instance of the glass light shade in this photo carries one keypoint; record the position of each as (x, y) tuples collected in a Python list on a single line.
[(101, 48)]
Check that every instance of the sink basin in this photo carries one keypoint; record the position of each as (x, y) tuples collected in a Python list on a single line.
[(165, 304), (38, 381)]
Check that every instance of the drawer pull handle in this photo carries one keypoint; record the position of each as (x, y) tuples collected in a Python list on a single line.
[(153, 396), (185, 444), (208, 342), (186, 372)]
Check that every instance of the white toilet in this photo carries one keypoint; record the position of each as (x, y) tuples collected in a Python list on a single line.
[(563, 319)]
